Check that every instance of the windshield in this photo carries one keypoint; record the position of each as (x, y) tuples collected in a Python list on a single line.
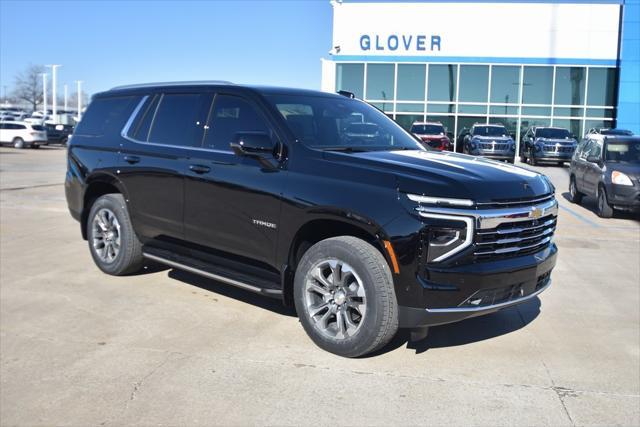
[(623, 151), (341, 124), (551, 133), (616, 132), (428, 129), (489, 131)]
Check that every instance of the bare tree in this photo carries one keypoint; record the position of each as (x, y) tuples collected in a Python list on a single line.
[(29, 85)]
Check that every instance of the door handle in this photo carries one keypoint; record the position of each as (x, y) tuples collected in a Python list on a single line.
[(131, 159), (199, 169)]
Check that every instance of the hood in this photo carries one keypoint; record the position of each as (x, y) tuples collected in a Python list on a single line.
[(632, 170), (447, 174)]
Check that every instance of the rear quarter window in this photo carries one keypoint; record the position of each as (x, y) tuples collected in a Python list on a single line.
[(107, 115), (38, 127)]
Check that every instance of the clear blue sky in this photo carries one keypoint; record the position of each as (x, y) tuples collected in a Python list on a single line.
[(107, 43)]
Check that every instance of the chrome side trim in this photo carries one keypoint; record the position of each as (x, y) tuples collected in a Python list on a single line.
[(211, 275), (125, 130), (492, 218), (468, 238), (490, 307)]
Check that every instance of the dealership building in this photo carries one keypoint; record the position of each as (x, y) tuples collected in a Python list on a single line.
[(566, 63)]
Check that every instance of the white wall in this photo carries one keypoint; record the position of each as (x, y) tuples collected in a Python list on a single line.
[(513, 30)]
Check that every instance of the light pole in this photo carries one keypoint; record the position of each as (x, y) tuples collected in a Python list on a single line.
[(79, 82), (44, 95), (66, 87), (53, 90)]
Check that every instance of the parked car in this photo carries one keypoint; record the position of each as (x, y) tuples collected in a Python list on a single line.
[(609, 132), (432, 134), (22, 134), (268, 190), (58, 134), (491, 141), (607, 168), (547, 144)]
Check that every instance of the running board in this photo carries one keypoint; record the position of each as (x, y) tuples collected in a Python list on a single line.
[(200, 272)]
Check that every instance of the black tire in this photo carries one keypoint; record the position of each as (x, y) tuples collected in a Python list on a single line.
[(35, 146), (561, 164), (18, 142), (574, 195), (523, 155), (379, 321), (604, 209), (129, 256)]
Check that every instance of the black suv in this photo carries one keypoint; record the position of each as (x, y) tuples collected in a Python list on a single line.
[(547, 144), (58, 134), (607, 168), (491, 141), (311, 197)]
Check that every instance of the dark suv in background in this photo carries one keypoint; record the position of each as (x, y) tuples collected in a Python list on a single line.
[(315, 198), (607, 168), (547, 144), (491, 141)]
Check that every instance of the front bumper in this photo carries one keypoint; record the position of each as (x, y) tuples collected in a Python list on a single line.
[(552, 156), (625, 197), (497, 155)]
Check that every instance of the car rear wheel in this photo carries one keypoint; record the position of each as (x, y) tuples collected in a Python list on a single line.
[(114, 246), (604, 209), (18, 143), (574, 195), (344, 296)]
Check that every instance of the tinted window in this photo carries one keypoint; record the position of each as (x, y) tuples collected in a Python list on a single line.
[(474, 82), (175, 122), (570, 83), (380, 81), (19, 127), (428, 129), (106, 115), (623, 151), (37, 127), (602, 86), (505, 84), (231, 115), (442, 82), (489, 131), (142, 132), (552, 133), (411, 82), (538, 82)]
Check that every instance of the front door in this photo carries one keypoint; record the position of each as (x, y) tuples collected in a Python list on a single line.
[(593, 170), (232, 203)]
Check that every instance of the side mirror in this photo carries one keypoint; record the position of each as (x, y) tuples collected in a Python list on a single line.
[(251, 144), (593, 159)]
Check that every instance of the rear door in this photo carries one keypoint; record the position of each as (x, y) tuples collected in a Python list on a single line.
[(154, 154), (232, 203)]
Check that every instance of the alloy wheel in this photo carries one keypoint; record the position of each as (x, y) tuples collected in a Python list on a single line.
[(106, 235), (335, 299)]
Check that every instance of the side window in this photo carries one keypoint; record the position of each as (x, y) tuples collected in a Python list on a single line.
[(20, 127), (595, 150), (142, 131), (106, 115), (230, 115), (584, 152), (2, 126), (176, 120)]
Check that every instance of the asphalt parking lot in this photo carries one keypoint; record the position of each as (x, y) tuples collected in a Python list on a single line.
[(78, 347)]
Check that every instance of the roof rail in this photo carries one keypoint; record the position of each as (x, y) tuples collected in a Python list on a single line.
[(186, 83)]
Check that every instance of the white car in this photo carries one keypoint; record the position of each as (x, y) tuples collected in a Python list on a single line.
[(22, 134)]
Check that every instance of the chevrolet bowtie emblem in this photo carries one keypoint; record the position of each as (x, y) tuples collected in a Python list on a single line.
[(535, 213)]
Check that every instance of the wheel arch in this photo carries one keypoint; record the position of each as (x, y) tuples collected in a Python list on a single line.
[(97, 186), (318, 229)]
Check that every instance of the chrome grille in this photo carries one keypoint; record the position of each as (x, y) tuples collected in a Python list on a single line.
[(514, 238), (558, 149)]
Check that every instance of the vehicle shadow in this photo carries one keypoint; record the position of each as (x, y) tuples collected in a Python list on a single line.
[(467, 331), (272, 304), (591, 204)]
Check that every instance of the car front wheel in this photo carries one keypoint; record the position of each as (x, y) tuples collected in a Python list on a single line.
[(344, 296), (604, 209), (114, 246), (574, 195)]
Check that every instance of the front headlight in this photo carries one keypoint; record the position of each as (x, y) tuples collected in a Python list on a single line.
[(620, 178)]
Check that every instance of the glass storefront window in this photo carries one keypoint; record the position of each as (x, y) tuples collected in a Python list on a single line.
[(503, 109), (568, 112), (536, 111), (573, 125), (537, 86), (442, 82), (505, 84), (472, 109), (527, 122), (387, 107), (411, 82), (598, 124), (409, 108), (441, 108), (570, 84), (380, 81), (406, 120), (350, 77), (449, 123), (474, 82), (602, 86), (600, 112)]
